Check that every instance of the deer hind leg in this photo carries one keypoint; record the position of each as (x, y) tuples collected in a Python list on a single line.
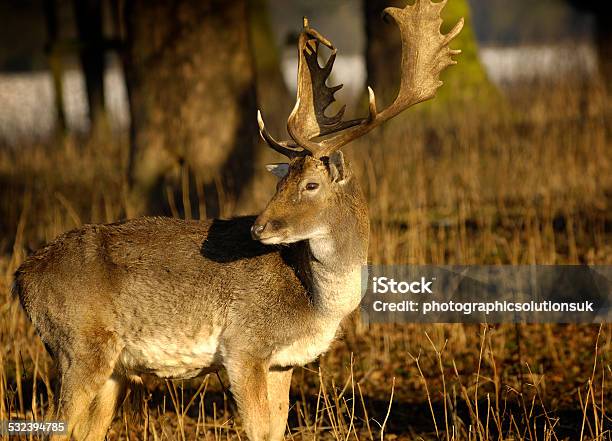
[(104, 406), (248, 382), (279, 383), (85, 370)]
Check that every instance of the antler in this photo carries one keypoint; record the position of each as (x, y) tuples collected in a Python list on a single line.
[(425, 53), (308, 119)]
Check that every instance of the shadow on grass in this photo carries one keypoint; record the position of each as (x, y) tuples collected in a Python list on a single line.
[(405, 418)]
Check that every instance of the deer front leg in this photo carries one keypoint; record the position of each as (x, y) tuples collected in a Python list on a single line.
[(248, 382), (279, 383)]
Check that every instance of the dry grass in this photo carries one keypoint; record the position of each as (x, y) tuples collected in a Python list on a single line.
[(525, 182)]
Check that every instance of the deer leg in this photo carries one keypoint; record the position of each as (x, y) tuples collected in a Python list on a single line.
[(103, 408), (77, 392), (85, 369), (279, 383), (248, 382)]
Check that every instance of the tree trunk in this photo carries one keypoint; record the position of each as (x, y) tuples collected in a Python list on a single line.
[(88, 14), (383, 50), (55, 66), (604, 48), (602, 37), (192, 97), (272, 93), (273, 98), (603, 41)]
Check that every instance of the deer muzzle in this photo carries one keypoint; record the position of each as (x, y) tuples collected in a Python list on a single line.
[(264, 229)]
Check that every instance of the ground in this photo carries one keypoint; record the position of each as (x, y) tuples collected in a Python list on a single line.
[(526, 181)]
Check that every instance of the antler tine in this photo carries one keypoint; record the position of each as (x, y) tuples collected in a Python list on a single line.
[(286, 148)]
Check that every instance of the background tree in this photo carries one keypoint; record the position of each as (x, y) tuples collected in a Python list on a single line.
[(602, 35), (88, 17), (55, 64), (192, 97), (273, 97), (272, 93)]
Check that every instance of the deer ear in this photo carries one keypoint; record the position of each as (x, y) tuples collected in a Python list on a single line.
[(337, 169), (278, 170)]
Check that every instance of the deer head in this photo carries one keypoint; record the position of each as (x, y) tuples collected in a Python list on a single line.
[(313, 185)]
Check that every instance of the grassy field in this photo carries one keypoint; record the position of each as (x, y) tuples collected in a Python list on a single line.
[(523, 181)]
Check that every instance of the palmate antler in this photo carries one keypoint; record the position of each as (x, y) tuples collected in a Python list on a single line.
[(425, 53)]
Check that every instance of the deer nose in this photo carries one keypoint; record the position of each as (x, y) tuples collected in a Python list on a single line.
[(256, 231)]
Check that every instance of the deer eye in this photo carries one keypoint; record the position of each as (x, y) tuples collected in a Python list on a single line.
[(311, 186)]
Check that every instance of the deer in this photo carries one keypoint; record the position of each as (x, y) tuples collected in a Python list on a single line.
[(257, 296)]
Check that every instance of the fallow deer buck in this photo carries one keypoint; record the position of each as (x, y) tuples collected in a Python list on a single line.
[(177, 298)]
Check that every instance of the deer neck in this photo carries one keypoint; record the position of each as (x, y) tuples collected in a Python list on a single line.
[(336, 258)]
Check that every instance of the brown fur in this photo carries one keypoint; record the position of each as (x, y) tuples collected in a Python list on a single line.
[(175, 298)]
